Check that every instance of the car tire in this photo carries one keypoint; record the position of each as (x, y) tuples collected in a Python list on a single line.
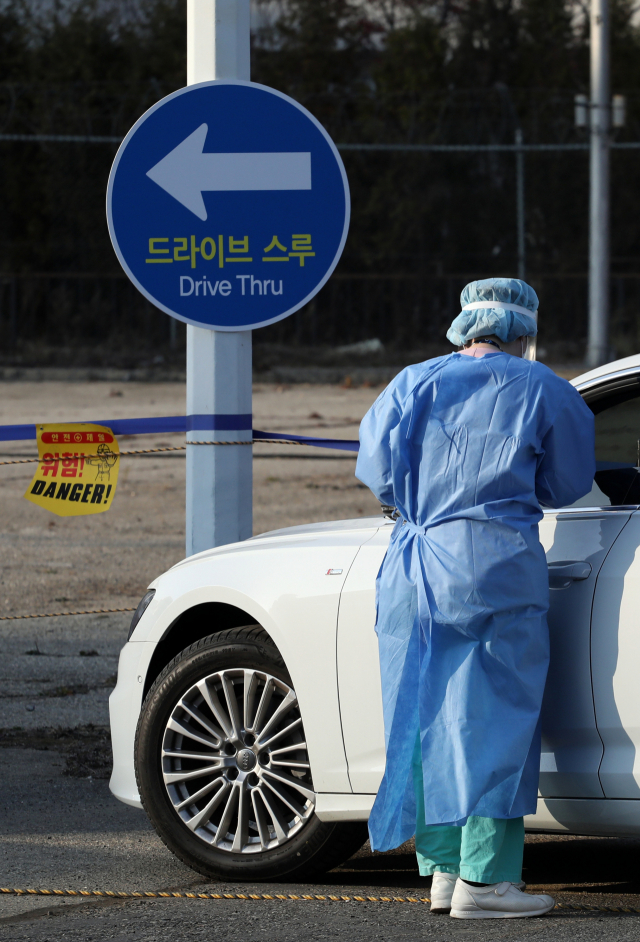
[(263, 826)]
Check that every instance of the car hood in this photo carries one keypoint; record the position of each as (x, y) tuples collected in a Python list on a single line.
[(326, 526), (286, 534)]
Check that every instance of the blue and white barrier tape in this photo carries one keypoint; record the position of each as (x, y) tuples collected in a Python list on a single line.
[(186, 423)]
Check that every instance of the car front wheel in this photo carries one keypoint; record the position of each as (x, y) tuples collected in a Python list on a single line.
[(223, 769)]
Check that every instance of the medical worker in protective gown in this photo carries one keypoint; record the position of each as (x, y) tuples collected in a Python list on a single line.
[(468, 447)]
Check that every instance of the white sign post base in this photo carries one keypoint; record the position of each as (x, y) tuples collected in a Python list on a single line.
[(219, 477)]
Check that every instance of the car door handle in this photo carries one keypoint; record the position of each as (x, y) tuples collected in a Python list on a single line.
[(563, 572)]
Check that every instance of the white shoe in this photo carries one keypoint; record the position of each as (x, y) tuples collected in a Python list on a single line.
[(442, 887), (497, 901)]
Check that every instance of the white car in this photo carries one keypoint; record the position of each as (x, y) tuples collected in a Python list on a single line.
[(247, 717)]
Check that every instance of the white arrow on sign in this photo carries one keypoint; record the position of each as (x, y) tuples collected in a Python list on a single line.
[(186, 172)]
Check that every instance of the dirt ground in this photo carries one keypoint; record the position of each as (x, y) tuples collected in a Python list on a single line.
[(58, 672), (51, 563)]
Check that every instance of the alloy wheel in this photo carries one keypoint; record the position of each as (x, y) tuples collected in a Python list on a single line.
[(235, 763)]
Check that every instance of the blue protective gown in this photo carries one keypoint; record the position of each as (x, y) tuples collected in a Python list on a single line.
[(467, 449)]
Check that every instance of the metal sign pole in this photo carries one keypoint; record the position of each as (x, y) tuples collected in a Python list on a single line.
[(598, 346), (219, 505), (520, 205)]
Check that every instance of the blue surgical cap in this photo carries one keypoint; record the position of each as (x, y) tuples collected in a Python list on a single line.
[(504, 307)]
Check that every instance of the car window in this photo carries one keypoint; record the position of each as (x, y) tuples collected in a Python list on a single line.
[(617, 421)]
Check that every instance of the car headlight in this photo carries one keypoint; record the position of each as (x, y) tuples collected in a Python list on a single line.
[(141, 609)]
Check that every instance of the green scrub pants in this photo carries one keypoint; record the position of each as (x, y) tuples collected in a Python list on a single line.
[(484, 850)]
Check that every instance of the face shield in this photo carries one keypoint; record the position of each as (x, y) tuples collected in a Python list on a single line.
[(530, 343)]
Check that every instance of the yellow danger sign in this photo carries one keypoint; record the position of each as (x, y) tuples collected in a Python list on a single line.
[(78, 469)]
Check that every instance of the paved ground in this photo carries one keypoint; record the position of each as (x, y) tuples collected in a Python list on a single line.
[(59, 827), (60, 830), (59, 671)]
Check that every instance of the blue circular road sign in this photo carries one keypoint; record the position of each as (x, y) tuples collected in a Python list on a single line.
[(228, 205)]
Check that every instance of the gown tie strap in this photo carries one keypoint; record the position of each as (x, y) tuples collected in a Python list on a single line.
[(414, 527)]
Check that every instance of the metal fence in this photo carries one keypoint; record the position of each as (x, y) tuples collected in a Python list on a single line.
[(89, 318), (50, 319)]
